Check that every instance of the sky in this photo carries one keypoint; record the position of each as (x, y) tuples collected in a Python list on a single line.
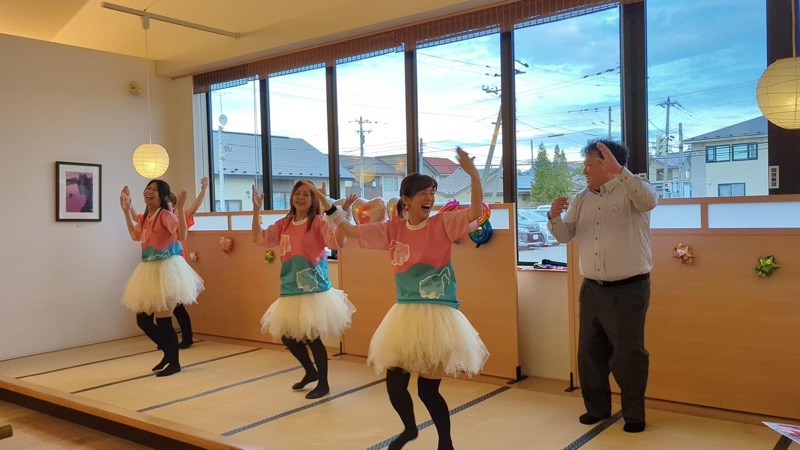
[(705, 56)]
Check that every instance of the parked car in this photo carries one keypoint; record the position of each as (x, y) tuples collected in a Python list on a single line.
[(530, 235), (528, 218), (544, 209)]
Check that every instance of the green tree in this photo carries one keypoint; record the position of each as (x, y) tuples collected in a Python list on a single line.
[(550, 179)]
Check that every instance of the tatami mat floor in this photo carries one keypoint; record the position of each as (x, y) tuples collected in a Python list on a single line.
[(242, 390)]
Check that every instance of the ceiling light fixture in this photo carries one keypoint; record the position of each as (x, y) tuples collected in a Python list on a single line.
[(171, 20), (150, 160), (778, 90)]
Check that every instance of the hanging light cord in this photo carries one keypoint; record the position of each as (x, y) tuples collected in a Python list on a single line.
[(146, 26), (794, 30)]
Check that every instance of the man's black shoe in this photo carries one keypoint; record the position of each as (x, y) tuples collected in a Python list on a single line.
[(634, 427), (588, 419)]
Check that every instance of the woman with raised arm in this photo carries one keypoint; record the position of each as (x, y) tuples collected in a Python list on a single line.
[(308, 309), (162, 279), (180, 313), (424, 331)]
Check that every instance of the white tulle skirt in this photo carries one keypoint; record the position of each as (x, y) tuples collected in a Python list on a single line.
[(161, 284), (309, 316), (427, 338)]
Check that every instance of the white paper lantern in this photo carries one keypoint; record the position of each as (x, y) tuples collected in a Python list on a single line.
[(150, 160), (778, 93)]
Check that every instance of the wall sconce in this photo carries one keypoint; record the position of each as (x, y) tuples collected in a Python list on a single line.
[(134, 88)]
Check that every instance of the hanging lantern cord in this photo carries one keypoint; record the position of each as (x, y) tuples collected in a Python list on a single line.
[(146, 26)]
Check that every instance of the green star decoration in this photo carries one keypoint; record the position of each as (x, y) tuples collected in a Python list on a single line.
[(766, 266), (269, 256)]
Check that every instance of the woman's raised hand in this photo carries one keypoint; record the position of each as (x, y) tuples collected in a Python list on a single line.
[(467, 162), (125, 199), (181, 201), (318, 192), (258, 199), (348, 202)]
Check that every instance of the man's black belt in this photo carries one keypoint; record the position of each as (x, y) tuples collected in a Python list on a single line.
[(633, 279)]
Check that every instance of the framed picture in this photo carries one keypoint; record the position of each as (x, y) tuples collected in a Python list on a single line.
[(78, 192)]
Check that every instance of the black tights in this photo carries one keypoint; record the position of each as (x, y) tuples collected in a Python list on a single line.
[(397, 386), (428, 389), (146, 323), (299, 351)]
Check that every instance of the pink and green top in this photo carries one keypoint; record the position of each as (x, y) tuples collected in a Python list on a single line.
[(420, 254), (158, 235), (304, 260)]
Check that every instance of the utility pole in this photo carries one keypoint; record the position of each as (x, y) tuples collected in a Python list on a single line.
[(497, 124), (680, 158), (421, 163), (361, 121), (223, 120), (531, 156), (667, 103)]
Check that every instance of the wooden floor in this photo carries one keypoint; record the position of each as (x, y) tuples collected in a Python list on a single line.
[(234, 394)]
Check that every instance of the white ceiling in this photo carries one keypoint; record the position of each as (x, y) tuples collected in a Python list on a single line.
[(267, 27)]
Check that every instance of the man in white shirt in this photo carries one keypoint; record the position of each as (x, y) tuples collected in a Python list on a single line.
[(610, 222)]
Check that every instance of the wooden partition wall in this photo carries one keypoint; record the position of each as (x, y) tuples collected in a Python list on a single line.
[(240, 287), (718, 334)]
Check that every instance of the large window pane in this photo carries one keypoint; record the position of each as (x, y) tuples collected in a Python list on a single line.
[(236, 161), (706, 131), (299, 127), (459, 105), (372, 126), (568, 92)]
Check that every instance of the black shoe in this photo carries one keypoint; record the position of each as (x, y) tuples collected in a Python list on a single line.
[(403, 438), (161, 364), (318, 392), (633, 427), (186, 343), (588, 419), (169, 370), (309, 378)]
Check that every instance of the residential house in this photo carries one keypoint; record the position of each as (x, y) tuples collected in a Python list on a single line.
[(237, 168), (730, 161), (664, 174), (380, 178)]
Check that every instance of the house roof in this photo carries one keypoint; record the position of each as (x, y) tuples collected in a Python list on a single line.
[(672, 159), (752, 127), (373, 165), (291, 157), (442, 166), (459, 180)]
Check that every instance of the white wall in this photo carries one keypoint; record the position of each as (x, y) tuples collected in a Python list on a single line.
[(61, 282)]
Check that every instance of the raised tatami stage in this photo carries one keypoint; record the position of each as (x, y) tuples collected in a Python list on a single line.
[(236, 394)]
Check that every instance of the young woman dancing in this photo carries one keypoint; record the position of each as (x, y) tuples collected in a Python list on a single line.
[(162, 279), (308, 309), (424, 331)]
